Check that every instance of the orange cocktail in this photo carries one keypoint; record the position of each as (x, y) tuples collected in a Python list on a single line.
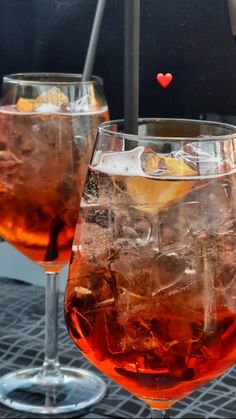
[(43, 162), (151, 293)]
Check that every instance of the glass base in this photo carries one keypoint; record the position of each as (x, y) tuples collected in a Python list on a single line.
[(73, 390)]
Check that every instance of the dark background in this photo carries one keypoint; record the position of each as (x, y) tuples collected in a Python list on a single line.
[(190, 38)]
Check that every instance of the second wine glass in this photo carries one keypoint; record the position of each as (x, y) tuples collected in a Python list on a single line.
[(47, 129)]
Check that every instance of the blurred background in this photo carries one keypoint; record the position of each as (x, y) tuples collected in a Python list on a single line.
[(194, 40)]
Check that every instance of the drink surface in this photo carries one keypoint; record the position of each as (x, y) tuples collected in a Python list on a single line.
[(151, 294), (43, 165)]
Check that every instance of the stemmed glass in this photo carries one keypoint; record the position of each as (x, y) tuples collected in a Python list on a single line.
[(48, 124), (151, 292)]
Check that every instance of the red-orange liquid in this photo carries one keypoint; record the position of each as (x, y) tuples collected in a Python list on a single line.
[(158, 351), (42, 172), (151, 293), (41, 235)]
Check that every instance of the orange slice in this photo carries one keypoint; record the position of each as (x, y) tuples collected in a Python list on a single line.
[(155, 195), (25, 105), (171, 167)]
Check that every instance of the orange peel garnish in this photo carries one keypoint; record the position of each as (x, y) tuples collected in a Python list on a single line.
[(25, 105), (155, 195)]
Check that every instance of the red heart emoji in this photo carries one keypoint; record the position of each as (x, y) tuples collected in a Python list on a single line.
[(164, 79)]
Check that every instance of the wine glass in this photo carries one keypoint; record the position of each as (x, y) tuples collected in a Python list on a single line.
[(48, 124), (151, 292)]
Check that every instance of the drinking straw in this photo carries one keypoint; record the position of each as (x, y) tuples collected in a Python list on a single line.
[(89, 61), (131, 67)]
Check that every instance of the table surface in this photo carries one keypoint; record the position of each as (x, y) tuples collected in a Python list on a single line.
[(22, 342)]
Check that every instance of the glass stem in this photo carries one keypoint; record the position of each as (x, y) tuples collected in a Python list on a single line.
[(51, 366), (159, 414)]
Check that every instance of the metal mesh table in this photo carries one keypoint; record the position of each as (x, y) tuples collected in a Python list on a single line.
[(22, 342)]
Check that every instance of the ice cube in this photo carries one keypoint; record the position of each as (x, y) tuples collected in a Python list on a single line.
[(53, 96), (131, 227), (84, 104), (48, 108), (144, 324), (226, 277), (224, 281), (206, 159), (132, 333), (193, 216), (168, 270), (8, 159), (133, 272), (87, 237), (9, 167)]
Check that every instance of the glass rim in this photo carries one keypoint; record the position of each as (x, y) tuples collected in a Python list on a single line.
[(104, 129), (28, 79)]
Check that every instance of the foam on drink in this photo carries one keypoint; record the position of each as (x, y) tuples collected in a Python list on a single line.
[(142, 161)]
